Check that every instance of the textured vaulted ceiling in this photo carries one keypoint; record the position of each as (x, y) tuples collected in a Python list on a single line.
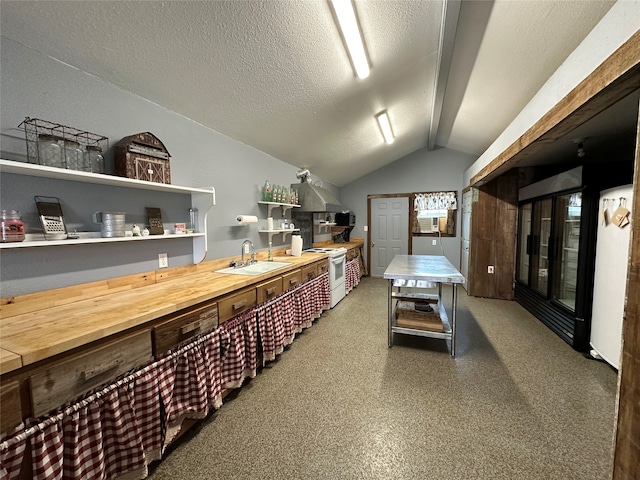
[(274, 74)]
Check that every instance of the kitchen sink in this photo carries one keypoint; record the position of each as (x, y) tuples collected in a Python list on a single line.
[(255, 268)]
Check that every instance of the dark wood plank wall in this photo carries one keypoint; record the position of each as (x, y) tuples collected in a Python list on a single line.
[(627, 449), (493, 232)]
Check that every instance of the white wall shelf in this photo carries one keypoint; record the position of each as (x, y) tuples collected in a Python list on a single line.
[(201, 198), (284, 206), (36, 240), (325, 226), (284, 232)]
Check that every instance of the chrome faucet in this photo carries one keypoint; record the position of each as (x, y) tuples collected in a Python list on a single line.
[(252, 260)]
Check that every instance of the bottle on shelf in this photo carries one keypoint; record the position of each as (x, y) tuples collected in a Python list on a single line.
[(266, 192)]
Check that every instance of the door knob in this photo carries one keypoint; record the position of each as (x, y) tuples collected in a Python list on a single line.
[(373, 244)]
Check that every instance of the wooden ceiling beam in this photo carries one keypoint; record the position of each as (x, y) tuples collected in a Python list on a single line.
[(614, 79)]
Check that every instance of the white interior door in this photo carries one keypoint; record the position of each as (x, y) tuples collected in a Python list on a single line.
[(466, 233), (389, 231)]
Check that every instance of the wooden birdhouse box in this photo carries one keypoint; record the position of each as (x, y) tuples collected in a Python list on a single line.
[(143, 157)]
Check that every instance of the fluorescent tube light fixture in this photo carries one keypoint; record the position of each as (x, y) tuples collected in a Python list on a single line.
[(348, 24), (385, 126)]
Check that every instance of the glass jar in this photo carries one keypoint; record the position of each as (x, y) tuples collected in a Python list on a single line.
[(193, 220), (93, 159), (50, 151), (11, 226), (74, 155)]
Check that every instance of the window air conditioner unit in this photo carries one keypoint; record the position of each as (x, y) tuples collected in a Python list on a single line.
[(429, 224)]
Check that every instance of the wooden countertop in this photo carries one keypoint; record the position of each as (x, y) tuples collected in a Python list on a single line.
[(9, 361), (40, 334), (354, 243)]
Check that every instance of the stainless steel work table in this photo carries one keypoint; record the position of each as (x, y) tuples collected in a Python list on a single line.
[(413, 271)]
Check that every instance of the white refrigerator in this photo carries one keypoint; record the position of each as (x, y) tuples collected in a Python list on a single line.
[(612, 260)]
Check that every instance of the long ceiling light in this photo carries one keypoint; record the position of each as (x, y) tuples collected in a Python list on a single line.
[(348, 23), (385, 126)]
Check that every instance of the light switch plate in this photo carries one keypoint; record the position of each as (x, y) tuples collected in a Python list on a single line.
[(163, 260)]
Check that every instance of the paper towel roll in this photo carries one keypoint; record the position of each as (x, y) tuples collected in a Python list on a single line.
[(296, 245), (244, 219)]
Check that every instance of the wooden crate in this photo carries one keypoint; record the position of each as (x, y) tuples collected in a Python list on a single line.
[(408, 317)]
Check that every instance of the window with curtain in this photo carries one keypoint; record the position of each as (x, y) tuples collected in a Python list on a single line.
[(434, 213)]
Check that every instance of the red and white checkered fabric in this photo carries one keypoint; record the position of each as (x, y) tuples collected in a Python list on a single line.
[(323, 291), (117, 431), (96, 438), (11, 455), (212, 355), (352, 274), (271, 334), (190, 396), (101, 440), (303, 307), (146, 403), (47, 449), (286, 318), (239, 339), (189, 383)]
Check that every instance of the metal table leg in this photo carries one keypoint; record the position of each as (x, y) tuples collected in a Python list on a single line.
[(390, 312), (453, 319)]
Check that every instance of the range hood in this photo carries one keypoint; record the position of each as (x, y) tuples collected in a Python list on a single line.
[(314, 198)]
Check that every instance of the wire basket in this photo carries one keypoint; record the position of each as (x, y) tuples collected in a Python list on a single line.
[(35, 129)]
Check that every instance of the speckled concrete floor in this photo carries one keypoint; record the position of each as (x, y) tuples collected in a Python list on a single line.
[(515, 403)]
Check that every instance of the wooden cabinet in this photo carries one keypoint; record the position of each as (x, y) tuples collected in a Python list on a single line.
[(309, 272), (291, 279), (235, 304), (322, 266), (268, 290), (179, 327), (10, 410), (65, 380)]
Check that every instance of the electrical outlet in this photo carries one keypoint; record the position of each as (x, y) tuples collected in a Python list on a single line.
[(246, 248), (163, 260), (366, 228), (490, 269), (434, 242)]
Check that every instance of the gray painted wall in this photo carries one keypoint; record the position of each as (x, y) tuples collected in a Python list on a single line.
[(421, 171), (37, 86)]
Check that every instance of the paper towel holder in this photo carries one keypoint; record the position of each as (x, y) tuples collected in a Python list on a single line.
[(246, 219)]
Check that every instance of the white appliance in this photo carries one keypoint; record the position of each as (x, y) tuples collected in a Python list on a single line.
[(337, 261), (609, 289)]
